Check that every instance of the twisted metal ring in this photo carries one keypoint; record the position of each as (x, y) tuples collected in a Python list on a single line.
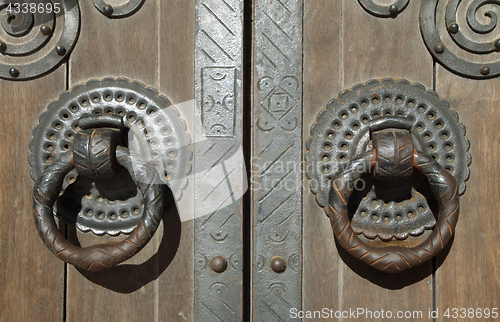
[(393, 259), (98, 257)]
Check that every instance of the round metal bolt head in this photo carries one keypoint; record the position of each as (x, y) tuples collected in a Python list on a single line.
[(45, 30), (439, 48), (108, 10), (60, 50), (3, 47), (278, 264), (393, 9), (485, 70), (14, 72), (496, 43), (453, 28), (218, 264)]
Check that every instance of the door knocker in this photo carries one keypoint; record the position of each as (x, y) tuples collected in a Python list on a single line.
[(109, 146), (387, 161)]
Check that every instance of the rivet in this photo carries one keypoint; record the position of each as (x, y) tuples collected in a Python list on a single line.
[(485, 70), (45, 30), (60, 50), (3, 47), (439, 48), (14, 72), (453, 28), (278, 264), (107, 10), (496, 43), (218, 264), (393, 9)]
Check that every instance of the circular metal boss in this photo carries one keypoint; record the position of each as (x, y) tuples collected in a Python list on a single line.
[(48, 35), (156, 133), (342, 132)]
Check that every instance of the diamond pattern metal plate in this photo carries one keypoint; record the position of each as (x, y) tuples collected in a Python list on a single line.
[(277, 151)]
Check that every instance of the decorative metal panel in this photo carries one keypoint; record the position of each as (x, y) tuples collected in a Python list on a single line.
[(277, 151), (218, 160), (218, 86)]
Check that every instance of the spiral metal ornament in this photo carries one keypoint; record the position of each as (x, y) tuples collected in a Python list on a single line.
[(443, 55), (124, 10), (384, 11), (35, 21)]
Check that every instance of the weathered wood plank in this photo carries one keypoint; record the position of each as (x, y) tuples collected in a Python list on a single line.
[(32, 277), (467, 276), (116, 47), (322, 82), (125, 47), (176, 81), (383, 48)]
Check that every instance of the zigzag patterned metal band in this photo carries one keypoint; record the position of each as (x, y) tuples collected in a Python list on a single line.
[(218, 169), (277, 151)]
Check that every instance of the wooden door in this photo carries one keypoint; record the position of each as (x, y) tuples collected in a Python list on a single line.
[(298, 55), (345, 45), (155, 46)]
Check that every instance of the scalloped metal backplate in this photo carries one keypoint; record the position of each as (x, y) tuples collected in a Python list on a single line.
[(114, 206), (342, 132)]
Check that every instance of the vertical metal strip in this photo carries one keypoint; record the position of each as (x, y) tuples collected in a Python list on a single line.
[(218, 159), (277, 152)]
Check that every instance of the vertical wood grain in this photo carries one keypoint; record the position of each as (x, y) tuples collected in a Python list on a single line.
[(116, 47), (345, 45), (31, 277), (468, 275), (384, 48), (126, 47), (321, 78), (176, 81)]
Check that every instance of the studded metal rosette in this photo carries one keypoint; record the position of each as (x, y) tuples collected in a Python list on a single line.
[(156, 133), (37, 36), (342, 132)]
